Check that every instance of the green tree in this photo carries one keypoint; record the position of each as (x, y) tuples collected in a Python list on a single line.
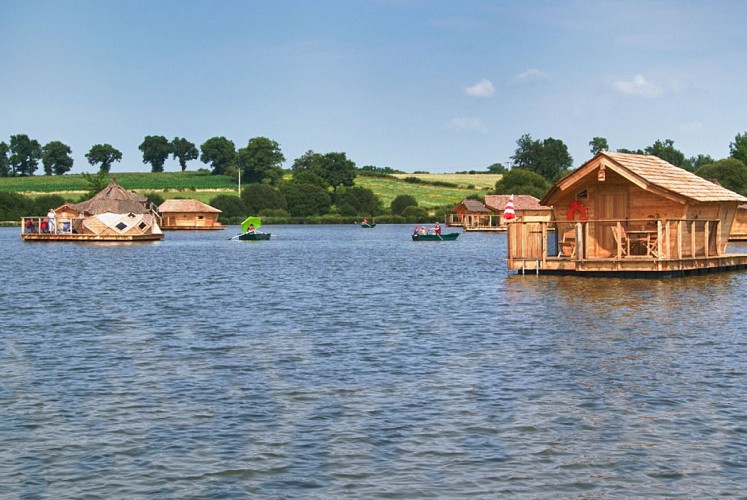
[(260, 197), (4, 162), (156, 198), (103, 154), (667, 152), (184, 151), (738, 148), (356, 200), (547, 158), (42, 204), (25, 154), (305, 199), (598, 144), (13, 206), (695, 162), (261, 160), (731, 173), (401, 202), (230, 205), (96, 182), (156, 150), (497, 168), (56, 158), (522, 181), (337, 170), (219, 153)]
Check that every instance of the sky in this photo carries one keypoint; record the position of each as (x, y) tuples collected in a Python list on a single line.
[(414, 85)]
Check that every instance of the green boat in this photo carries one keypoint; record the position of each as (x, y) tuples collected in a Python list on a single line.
[(369, 225), (253, 236), (435, 237), (249, 230)]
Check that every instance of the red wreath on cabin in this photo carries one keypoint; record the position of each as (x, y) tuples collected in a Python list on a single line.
[(574, 207)]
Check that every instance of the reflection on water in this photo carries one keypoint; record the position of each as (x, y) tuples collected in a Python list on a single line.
[(332, 361)]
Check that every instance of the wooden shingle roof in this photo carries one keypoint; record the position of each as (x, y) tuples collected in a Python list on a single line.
[(664, 175), (191, 206), (652, 174), (474, 206), (498, 202), (115, 199)]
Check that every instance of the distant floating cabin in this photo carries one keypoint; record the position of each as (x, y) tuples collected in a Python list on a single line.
[(113, 214), (627, 213), (473, 215), (189, 215)]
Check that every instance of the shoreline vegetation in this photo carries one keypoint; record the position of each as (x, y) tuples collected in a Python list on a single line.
[(436, 193)]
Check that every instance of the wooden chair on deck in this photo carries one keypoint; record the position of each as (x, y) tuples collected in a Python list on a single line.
[(621, 240), (568, 243)]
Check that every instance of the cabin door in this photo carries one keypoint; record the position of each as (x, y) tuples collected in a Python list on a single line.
[(611, 206)]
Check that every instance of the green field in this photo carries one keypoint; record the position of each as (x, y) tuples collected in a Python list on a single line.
[(204, 187)]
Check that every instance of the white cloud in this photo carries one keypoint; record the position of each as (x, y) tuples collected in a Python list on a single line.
[(466, 124), (531, 75), (639, 87), (483, 88)]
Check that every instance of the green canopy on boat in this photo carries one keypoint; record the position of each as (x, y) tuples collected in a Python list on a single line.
[(251, 220)]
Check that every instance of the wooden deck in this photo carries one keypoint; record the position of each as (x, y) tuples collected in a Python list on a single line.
[(90, 237), (673, 248)]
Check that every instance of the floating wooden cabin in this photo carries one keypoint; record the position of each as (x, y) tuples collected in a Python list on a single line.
[(113, 214), (189, 215), (626, 213), (468, 213)]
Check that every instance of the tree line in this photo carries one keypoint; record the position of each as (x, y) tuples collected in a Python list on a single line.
[(537, 164)]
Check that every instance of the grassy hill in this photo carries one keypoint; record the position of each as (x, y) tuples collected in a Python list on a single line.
[(449, 188)]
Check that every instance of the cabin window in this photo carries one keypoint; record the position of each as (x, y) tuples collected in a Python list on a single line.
[(200, 217), (582, 195), (142, 225), (121, 226), (131, 215)]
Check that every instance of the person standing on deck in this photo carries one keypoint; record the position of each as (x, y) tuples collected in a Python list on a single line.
[(51, 216)]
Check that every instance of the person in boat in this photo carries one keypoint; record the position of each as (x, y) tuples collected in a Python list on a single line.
[(416, 230), (423, 230), (251, 229), (365, 222), (437, 228)]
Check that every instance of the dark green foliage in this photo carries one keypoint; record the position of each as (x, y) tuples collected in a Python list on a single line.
[(155, 198), (259, 198), (219, 153), (13, 206), (401, 202), (156, 150), (738, 148), (418, 214), (4, 162), (374, 171), (357, 201), (598, 144), (497, 168), (230, 205), (522, 181), (261, 159), (413, 180), (104, 154), (41, 204), (184, 151), (695, 162), (730, 173), (334, 168), (25, 154), (545, 158), (56, 158), (306, 199), (666, 151)]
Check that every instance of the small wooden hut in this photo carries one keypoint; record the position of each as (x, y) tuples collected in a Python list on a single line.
[(189, 215), (526, 207), (629, 213), (469, 213), (113, 214)]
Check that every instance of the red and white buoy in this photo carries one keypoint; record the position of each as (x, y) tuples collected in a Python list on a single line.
[(508, 212)]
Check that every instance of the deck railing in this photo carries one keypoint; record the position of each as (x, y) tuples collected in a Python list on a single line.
[(60, 225), (618, 239)]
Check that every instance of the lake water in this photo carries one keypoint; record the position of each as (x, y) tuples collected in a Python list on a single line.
[(341, 362)]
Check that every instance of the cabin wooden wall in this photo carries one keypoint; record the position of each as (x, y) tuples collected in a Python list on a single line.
[(739, 225)]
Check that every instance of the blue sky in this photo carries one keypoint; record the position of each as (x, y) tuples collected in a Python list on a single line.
[(440, 86)]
